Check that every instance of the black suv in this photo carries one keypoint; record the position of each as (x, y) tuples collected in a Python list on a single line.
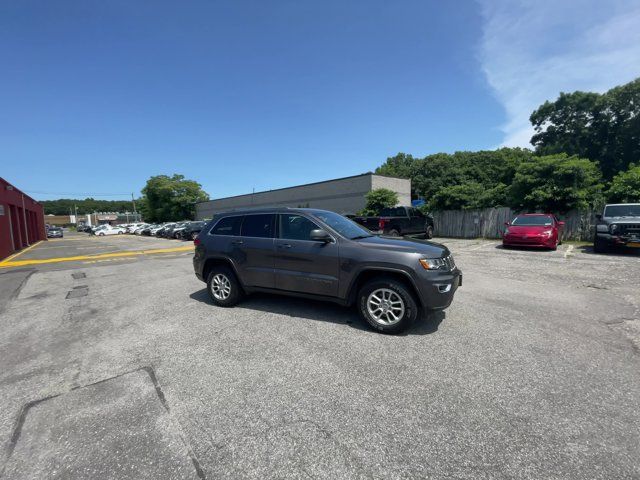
[(323, 255), (618, 226)]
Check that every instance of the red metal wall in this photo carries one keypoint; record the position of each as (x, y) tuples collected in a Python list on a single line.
[(21, 220)]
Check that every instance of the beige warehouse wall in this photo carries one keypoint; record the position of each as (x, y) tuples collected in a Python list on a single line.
[(402, 186), (343, 195)]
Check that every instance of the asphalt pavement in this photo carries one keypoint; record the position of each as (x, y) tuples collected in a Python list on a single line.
[(120, 367)]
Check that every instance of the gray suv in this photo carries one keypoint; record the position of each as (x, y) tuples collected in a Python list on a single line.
[(322, 255)]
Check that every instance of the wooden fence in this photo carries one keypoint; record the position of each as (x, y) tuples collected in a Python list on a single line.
[(489, 223)]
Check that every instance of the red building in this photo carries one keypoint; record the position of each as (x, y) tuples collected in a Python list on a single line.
[(21, 220)]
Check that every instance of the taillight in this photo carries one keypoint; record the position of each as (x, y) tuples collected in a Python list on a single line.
[(196, 242), (381, 224)]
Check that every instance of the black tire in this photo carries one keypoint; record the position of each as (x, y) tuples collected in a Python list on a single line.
[(400, 290), (599, 246), (394, 233), (235, 294), (428, 234)]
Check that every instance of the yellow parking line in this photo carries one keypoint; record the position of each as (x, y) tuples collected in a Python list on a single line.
[(21, 252), (132, 253)]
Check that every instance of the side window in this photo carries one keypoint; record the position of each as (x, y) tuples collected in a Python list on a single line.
[(228, 226), (296, 227), (260, 225)]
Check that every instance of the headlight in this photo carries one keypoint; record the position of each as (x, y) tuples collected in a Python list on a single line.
[(602, 228), (547, 233), (445, 263), (506, 231), (613, 228)]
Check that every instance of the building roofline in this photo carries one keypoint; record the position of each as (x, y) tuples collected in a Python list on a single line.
[(301, 185), (13, 187)]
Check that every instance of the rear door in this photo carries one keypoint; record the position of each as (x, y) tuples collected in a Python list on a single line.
[(301, 264), (253, 250)]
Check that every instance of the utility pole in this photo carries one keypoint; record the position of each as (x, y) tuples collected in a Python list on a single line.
[(134, 208)]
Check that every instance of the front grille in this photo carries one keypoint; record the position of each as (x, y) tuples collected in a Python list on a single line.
[(628, 229), (448, 261)]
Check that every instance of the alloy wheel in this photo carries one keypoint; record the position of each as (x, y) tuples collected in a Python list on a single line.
[(385, 306), (220, 287)]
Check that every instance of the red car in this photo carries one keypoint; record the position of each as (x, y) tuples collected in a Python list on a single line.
[(533, 230)]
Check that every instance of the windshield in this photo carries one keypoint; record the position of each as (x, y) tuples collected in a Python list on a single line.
[(630, 210), (536, 221), (343, 225)]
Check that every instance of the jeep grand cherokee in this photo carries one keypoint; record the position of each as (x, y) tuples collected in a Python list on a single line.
[(322, 255)]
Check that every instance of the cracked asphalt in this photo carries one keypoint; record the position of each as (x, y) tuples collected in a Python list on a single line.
[(128, 371)]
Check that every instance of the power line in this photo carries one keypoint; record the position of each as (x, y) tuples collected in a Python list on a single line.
[(80, 194)]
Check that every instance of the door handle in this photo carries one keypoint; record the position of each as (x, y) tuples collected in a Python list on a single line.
[(237, 242), (284, 245)]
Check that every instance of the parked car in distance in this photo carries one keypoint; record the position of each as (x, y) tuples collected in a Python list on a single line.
[(191, 230), (533, 230), (176, 230), (618, 226), (397, 221), (109, 230), (322, 255), (138, 230), (55, 232)]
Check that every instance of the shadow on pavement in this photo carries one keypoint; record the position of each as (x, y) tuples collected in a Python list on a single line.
[(321, 311), (617, 252)]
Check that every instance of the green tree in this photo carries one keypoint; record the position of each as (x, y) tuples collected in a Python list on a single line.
[(64, 206), (625, 186), (556, 183), (378, 199), (459, 180), (601, 127), (167, 198)]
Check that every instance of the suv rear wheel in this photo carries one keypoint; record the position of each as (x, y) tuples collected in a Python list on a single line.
[(223, 287), (387, 305), (429, 233)]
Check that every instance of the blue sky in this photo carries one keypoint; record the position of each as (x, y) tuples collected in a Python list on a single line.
[(238, 94)]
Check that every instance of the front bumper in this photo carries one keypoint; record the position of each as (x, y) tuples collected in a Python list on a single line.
[(618, 241), (542, 241), (438, 288)]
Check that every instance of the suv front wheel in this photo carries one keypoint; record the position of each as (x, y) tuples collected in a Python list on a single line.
[(387, 305), (223, 287)]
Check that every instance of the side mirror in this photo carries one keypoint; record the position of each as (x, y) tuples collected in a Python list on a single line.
[(319, 235), (507, 223), (598, 216), (561, 224)]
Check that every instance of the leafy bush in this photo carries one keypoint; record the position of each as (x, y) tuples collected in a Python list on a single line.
[(556, 183), (625, 186), (378, 199)]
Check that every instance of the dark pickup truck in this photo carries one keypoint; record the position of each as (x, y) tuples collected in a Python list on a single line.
[(397, 221)]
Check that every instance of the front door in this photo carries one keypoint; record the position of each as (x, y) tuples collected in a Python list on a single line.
[(301, 264)]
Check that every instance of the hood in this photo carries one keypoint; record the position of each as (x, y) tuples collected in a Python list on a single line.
[(531, 229), (621, 219), (405, 245)]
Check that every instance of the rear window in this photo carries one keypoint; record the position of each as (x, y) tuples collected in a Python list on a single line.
[(260, 225), (393, 212), (228, 226)]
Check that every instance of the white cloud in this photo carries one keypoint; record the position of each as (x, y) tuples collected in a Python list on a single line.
[(533, 50)]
